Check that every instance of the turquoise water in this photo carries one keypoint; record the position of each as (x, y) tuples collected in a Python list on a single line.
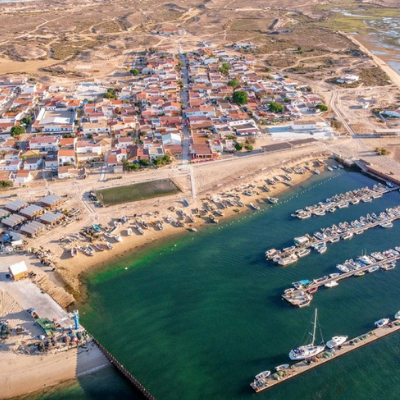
[(198, 317)]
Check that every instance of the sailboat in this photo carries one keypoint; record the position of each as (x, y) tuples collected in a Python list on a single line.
[(308, 350)]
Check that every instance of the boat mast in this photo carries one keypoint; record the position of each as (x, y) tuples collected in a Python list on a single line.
[(315, 327)]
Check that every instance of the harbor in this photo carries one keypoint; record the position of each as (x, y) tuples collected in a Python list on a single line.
[(330, 354), (228, 281)]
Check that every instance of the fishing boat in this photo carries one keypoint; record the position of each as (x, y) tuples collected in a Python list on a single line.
[(273, 200), (98, 247), (334, 275), (359, 274), (329, 169), (308, 350), (322, 249), (387, 224), (129, 232), (118, 238), (218, 212), (382, 322), (373, 269), (271, 253), (89, 250), (281, 367), (288, 260), (254, 206), (336, 341), (74, 251), (312, 290), (192, 229), (342, 268), (96, 228), (263, 375), (191, 218), (139, 229), (331, 284), (397, 315), (109, 245), (144, 224), (347, 236), (259, 384), (303, 252)]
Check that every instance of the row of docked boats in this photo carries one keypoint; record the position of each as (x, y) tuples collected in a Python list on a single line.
[(304, 352), (342, 231), (342, 200), (300, 294)]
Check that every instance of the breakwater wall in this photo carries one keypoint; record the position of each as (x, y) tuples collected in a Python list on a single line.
[(139, 388)]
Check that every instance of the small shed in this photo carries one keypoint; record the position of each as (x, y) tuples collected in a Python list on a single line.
[(51, 218), (18, 270), (16, 205), (33, 228), (13, 220), (32, 211), (51, 201)]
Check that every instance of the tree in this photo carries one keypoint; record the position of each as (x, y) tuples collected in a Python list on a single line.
[(322, 107), (224, 69), (276, 107), (248, 147), (234, 83), (134, 71), (6, 184), (17, 130), (26, 120), (240, 97), (238, 146)]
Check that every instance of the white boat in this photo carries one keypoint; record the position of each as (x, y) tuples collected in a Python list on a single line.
[(308, 350), (254, 207), (118, 238), (397, 315), (303, 252), (373, 269), (342, 268), (288, 260), (336, 341), (387, 224), (263, 375), (331, 284), (129, 232), (382, 322), (74, 251), (281, 367), (334, 275)]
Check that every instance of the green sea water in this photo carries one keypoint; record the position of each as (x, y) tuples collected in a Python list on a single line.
[(197, 317)]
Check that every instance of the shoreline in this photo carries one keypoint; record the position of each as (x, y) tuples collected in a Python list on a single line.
[(138, 243)]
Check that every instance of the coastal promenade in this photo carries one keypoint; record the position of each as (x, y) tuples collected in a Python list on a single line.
[(353, 344)]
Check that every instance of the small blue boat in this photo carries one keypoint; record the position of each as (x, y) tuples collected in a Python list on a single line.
[(96, 228), (185, 203)]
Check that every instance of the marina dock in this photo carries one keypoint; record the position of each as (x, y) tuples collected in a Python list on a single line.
[(294, 295), (306, 365), (344, 231)]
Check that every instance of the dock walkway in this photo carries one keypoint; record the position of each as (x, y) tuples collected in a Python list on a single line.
[(353, 344), (290, 297)]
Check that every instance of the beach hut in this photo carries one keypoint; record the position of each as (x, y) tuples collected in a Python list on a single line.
[(13, 220), (51, 201), (51, 218), (32, 211), (16, 205), (33, 228), (18, 270)]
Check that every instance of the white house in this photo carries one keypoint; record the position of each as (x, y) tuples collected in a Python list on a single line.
[(32, 164), (44, 143), (66, 157), (304, 125), (22, 177), (171, 139), (123, 142)]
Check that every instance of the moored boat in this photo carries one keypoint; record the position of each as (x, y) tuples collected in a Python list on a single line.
[(382, 322), (331, 284), (281, 367), (74, 251), (336, 341), (308, 350)]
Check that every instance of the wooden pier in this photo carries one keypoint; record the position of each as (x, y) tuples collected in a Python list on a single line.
[(140, 390), (290, 296), (353, 344)]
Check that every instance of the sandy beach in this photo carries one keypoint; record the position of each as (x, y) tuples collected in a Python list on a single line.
[(212, 181)]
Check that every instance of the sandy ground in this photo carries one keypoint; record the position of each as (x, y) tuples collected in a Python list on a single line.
[(21, 375)]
